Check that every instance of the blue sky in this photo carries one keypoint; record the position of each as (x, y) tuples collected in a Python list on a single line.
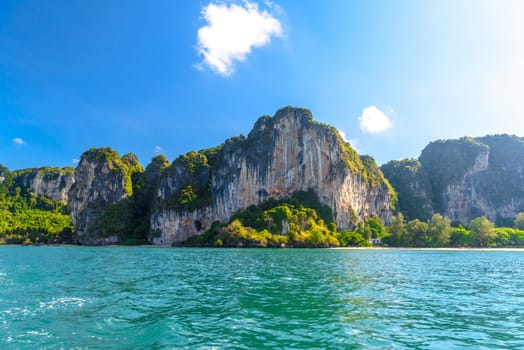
[(173, 76)]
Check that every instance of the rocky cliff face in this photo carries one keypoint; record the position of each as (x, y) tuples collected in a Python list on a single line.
[(53, 183), (467, 178), (103, 178), (461, 201), (283, 154)]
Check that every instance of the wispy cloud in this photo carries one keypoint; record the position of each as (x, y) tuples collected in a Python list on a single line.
[(231, 32), (373, 120), (158, 149), (19, 141), (75, 161)]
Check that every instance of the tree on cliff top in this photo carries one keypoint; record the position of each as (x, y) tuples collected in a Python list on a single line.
[(519, 220)]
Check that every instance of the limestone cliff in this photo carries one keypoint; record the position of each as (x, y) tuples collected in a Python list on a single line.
[(282, 154), (102, 178), (467, 178), (53, 183)]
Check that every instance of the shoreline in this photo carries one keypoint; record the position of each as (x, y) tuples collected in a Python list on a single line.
[(153, 246), (451, 249)]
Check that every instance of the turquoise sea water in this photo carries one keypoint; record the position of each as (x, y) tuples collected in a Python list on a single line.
[(144, 298)]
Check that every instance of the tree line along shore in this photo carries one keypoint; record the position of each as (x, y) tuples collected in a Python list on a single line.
[(300, 221)]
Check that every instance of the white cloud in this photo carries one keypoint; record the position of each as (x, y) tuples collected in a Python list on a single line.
[(231, 32), (19, 141), (75, 161), (158, 149), (373, 120)]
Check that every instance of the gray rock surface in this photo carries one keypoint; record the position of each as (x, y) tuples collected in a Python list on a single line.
[(282, 154)]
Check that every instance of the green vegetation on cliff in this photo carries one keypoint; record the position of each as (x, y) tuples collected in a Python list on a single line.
[(191, 180), (46, 172), (375, 178), (104, 185), (28, 219), (412, 187), (6, 179), (127, 164), (193, 175), (300, 221), (129, 218), (22, 178)]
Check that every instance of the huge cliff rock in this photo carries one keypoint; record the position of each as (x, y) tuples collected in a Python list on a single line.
[(102, 178), (53, 183), (463, 179), (283, 154)]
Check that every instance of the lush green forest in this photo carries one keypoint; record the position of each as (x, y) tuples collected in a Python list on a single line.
[(438, 232), (27, 219), (302, 221)]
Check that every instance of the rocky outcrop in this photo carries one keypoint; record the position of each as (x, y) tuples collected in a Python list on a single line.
[(283, 154), (102, 178), (460, 199), (412, 186), (169, 225), (53, 183), (466, 178)]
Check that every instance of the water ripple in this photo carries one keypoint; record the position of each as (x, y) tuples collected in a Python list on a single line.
[(121, 298)]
